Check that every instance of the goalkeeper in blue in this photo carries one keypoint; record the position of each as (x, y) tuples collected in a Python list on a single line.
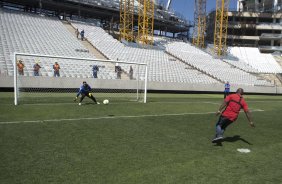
[(85, 90)]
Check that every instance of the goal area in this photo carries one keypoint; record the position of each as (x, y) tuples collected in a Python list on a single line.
[(117, 81)]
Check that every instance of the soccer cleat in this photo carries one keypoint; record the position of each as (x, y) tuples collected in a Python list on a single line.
[(98, 103), (79, 104), (217, 139)]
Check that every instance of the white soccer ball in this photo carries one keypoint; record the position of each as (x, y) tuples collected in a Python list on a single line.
[(106, 101)]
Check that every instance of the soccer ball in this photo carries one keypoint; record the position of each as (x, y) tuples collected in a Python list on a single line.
[(106, 101)]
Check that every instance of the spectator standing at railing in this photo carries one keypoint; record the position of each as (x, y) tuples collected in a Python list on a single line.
[(36, 68), (82, 35), (95, 70), (56, 68), (118, 71), (131, 73), (20, 67), (226, 89)]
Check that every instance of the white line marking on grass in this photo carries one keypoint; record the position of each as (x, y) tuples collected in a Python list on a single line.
[(115, 117), (253, 110), (243, 150), (188, 102)]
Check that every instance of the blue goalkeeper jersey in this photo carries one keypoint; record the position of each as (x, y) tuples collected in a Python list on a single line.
[(84, 89)]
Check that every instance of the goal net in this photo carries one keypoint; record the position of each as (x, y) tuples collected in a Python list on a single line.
[(43, 81)]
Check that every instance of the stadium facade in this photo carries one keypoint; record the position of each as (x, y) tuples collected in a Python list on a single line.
[(255, 23)]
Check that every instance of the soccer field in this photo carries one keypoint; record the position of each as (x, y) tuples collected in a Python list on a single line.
[(167, 140)]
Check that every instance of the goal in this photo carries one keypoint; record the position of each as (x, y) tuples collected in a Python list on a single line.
[(117, 81)]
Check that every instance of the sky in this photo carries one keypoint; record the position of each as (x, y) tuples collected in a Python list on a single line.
[(186, 7)]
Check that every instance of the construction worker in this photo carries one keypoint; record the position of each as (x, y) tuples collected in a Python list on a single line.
[(56, 68), (20, 67)]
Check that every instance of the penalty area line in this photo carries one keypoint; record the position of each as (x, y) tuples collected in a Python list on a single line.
[(114, 117)]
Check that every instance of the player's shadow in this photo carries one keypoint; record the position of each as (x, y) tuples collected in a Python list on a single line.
[(235, 138)]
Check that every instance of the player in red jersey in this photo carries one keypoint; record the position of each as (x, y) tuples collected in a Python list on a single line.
[(229, 111)]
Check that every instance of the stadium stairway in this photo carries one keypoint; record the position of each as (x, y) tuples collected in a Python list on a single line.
[(85, 43), (278, 59), (275, 78), (92, 49)]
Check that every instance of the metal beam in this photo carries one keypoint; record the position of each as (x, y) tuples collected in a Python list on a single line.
[(126, 20), (199, 23), (221, 26), (146, 11)]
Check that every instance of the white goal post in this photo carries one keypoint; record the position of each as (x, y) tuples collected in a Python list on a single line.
[(118, 81)]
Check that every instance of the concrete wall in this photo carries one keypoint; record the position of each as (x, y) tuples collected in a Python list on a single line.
[(47, 82)]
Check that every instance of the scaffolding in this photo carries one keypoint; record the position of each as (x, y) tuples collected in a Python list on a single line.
[(146, 22), (126, 20), (221, 26), (199, 23)]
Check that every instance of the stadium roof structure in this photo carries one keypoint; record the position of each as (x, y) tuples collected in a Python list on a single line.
[(105, 10)]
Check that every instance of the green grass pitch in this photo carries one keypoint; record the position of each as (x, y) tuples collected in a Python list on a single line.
[(167, 140)]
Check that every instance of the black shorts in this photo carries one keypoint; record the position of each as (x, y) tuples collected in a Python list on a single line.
[(86, 94), (223, 122)]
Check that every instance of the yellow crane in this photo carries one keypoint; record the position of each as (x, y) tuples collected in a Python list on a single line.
[(199, 23), (220, 27), (126, 19), (146, 10)]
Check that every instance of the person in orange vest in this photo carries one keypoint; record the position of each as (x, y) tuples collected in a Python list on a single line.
[(56, 68), (20, 67)]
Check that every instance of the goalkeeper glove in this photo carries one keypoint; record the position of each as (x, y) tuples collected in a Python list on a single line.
[(75, 99)]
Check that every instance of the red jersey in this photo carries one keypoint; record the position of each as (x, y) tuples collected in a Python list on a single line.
[(235, 103)]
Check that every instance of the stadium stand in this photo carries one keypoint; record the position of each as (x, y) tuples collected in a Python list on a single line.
[(263, 63), (161, 67), (31, 33), (213, 67)]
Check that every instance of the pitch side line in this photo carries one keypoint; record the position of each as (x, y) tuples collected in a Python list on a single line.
[(115, 117)]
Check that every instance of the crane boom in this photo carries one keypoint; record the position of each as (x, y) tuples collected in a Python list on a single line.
[(168, 4)]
